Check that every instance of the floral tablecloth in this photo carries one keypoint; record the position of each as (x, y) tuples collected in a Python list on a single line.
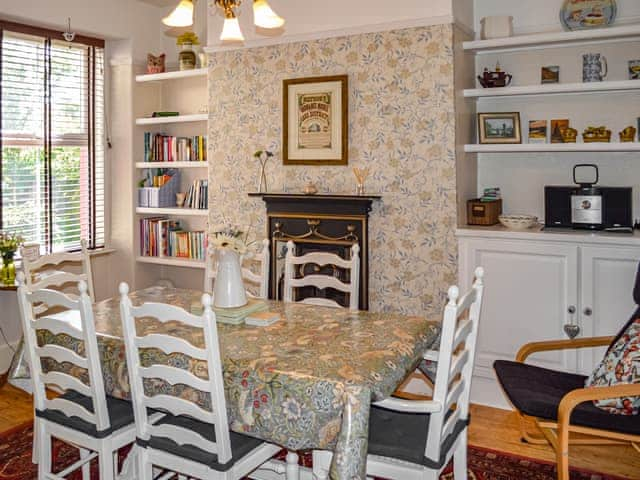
[(304, 382)]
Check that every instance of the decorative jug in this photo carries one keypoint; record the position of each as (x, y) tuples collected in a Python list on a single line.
[(228, 289), (594, 67)]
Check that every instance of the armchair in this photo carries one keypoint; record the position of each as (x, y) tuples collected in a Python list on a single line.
[(560, 404)]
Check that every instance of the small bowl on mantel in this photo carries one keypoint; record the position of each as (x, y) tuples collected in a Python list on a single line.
[(518, 222)]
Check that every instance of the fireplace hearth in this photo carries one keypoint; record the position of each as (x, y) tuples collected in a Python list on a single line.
[(324, 222)]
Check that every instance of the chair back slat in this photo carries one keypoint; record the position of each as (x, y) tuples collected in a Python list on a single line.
[(452, 386), (213, 386), (175, 376), (66, 382), (169, 345), (44, 273), (71, 409), (178, 406), (76, 321), (322, 282), (259, 279)]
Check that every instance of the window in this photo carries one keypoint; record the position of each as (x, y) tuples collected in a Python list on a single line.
[(52, 137)]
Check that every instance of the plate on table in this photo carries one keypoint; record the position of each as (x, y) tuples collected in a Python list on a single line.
[(585, 14)]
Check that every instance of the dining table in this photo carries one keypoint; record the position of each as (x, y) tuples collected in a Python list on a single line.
[(305, 382)]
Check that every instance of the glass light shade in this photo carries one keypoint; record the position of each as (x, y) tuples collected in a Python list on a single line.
[(264, 16), (231, 31), (182, 15)]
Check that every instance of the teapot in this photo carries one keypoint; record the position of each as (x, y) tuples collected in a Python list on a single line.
[(495, 79)]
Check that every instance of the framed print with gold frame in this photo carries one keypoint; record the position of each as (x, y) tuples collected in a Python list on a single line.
[(499, 128), (316, 121)]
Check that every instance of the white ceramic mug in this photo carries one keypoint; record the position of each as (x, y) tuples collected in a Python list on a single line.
[(499, 26)]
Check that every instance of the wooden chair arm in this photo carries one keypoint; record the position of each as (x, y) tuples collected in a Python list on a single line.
[(570, 401), (551, 345)]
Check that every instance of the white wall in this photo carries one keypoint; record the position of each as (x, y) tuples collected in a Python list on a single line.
[(541, 15), (307, 19)]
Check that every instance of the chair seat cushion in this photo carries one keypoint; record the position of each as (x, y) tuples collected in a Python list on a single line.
[(537, 392), (241, 445), (620, 365), (404, 436), (120, 415)]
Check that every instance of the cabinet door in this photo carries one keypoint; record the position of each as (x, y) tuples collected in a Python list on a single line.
[(528, 290), (606, 295)]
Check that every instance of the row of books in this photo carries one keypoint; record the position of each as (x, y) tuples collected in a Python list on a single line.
[(165, 148), (198, 195), (162, 237)]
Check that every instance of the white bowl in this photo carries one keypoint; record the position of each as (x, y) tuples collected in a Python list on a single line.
[(518, 222)]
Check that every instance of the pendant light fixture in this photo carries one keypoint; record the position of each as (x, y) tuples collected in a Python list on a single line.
[(263, 17), (181, 16)]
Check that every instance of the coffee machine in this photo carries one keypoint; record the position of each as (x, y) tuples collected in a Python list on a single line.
[(588, 205)]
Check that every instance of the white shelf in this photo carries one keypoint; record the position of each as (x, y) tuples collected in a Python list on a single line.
[(195, 117), (173, 262), (158, 77), (172, 165), (554, 89), (554, 39), (554, 147), (183, 212)]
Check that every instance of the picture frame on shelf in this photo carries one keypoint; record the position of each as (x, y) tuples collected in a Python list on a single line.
[(557, 126), (316, 121), (550, 74), (499, 128), (537, 131), (634, 69)]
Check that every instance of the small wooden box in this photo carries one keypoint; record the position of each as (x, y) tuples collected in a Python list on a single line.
[(483, 213)]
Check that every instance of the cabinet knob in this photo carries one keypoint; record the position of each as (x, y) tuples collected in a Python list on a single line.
[(571, 309), (587, 311), (572, 331)]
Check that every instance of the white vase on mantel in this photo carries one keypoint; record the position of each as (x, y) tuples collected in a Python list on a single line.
[(228, 288)]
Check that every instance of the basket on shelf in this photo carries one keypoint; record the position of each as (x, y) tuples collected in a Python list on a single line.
[(160, 197)]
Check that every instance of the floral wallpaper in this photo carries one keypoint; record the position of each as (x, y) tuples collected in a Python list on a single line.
[(401, 125)]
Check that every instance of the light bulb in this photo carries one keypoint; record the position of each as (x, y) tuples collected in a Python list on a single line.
[(182, 15), (264, 16), (231, 30)]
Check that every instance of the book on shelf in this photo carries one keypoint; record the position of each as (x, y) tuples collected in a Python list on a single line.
[(163, 237), (159, 147), (164, 114), (198, 195)]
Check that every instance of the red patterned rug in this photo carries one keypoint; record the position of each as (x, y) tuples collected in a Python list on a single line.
[(15, 462)]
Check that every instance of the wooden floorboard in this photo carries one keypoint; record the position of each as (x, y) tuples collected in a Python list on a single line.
[(490, 428)]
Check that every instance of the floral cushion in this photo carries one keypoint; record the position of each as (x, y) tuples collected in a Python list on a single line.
[(620, 365)]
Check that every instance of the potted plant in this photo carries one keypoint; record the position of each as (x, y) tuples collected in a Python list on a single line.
[(230, 244), (187, 57), (9, 244)]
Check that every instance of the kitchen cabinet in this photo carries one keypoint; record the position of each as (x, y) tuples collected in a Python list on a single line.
[(535, 284)]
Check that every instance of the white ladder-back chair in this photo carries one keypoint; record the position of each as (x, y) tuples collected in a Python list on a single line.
[(415, 440), (189, 439), (259, 279), (321, 259), (45, 272), (83, 416)]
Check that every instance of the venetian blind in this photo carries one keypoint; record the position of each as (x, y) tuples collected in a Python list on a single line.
[(52, 141)]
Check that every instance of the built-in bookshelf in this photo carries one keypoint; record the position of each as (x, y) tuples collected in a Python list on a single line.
[(172, 151)]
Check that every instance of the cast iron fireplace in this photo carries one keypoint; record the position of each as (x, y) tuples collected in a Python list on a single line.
[(327, 223)]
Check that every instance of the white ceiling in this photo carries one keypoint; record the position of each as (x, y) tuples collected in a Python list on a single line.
[(160, 3)]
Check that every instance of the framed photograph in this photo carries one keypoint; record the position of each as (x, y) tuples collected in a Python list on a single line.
[(550, 74), (556, 129), (499, 128), (537, 131), (634, 69), (316, 121)]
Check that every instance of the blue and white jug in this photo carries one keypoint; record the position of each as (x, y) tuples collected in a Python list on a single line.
[(594, 67)]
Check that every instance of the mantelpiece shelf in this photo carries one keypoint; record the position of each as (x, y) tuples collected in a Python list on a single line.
[(158, 77), (554, 39), (142, 165), (554, 147), (174, 262), (184, 212), (554, 89), (195, 117)]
